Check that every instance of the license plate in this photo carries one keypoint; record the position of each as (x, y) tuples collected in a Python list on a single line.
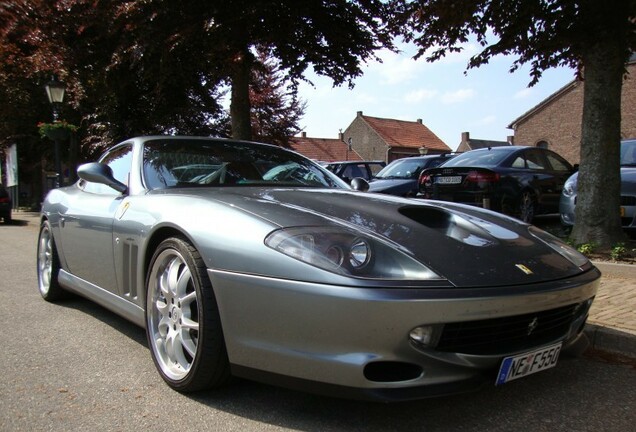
[(526, 364), (449, 180)]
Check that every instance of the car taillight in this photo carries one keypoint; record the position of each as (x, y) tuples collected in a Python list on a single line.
[(482, 177), (425, 180), (4, 199)]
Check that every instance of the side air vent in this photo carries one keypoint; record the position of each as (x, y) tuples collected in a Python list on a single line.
[(130, 269)]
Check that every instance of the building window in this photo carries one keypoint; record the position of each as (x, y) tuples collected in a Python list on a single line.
[(542, 144)]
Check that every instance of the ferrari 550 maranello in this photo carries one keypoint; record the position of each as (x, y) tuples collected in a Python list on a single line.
[(249, 260)]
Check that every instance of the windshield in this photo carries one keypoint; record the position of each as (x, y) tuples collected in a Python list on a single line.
[(628, 153), (186, 163), (402, 169), (478, 158)]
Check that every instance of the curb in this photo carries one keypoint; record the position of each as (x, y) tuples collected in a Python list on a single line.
[(611, 340), (616, 270)]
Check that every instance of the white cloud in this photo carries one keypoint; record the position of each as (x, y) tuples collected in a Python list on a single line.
[(417, 96), (396, 68), (457, 96), (485, 121), (522, 94)]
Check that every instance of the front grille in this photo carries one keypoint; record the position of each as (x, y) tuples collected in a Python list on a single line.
[(508, 334), (628, 200)]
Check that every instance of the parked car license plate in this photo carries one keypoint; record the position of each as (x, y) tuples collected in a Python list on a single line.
[(528, 363), (449, 180)]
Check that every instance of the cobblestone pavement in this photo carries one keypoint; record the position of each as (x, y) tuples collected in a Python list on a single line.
[(615, 303)]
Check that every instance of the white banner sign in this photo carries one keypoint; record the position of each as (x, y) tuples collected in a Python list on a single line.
[(12, 165)]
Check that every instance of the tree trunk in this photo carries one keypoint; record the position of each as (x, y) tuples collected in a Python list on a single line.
[(240, 103), (598, 200)]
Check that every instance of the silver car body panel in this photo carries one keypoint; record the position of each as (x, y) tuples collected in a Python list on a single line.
[(346, 335)]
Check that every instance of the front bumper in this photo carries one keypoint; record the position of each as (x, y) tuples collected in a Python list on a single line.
[(567, 207), (354, 342)]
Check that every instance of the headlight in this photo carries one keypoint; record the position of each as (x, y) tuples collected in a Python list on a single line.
[(563, 249), (569, 188), (346, 252)]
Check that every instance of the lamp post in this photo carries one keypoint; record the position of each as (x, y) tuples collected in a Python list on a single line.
[(55, 91)]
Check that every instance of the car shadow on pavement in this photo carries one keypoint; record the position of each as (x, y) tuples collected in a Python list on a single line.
[(16, 222), (125, 327)]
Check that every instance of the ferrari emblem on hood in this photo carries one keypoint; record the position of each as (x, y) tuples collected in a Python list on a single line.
[(524, 269)]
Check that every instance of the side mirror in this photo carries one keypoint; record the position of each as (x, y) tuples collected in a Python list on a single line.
[(100, 173), (360, 184)]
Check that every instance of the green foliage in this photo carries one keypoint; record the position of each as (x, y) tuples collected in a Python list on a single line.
[(586, 249), (153, 67), (618, 252), (47, 130), (543, 34)]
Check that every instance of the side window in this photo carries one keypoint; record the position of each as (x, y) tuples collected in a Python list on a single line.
[(558, 163), (120, 161), (353, 171), (375, 168), (519, 162), (535, 160)]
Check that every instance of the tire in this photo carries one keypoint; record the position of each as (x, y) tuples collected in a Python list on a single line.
[(522, 208), (526, 207), (48, 266), (183, 325)]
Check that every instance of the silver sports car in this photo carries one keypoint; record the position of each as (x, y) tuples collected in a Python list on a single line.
[(250, 260)]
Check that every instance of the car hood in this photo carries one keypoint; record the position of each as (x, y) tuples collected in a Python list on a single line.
[(470, 247)]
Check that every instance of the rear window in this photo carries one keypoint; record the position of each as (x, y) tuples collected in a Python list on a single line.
[(485, 158)]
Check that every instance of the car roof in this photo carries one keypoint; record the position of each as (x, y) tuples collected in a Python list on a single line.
[(425, 157), (355, 162)]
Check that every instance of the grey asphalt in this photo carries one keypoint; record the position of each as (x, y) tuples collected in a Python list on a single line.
[(612, 323)]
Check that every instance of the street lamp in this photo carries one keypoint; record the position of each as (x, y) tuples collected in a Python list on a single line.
[(55, 91)]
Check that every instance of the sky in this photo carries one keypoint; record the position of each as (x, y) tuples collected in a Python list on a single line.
[(483, 101)]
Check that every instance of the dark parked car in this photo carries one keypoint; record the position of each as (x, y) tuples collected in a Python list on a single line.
[(247, 259), (518, 181), (400, 177), (5, 205), (628, 190), (348, 170)]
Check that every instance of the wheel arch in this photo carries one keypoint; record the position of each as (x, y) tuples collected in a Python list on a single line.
[(59, 249), (155, 239)]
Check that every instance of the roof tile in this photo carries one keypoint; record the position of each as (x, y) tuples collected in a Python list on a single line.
[(323, 149), (400, 133)]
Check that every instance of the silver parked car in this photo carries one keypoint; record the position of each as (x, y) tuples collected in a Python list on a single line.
[(246, 259), (567, 203)]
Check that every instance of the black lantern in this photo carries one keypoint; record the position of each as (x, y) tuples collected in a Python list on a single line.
[(55, 91)]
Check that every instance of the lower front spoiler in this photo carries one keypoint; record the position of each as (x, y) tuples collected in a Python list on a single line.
[(476, 382), (401, 394)]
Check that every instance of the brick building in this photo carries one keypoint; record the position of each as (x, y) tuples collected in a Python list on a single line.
[(555, 123), (376, 138)]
